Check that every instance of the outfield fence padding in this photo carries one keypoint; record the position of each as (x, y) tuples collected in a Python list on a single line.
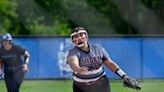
[(140, 57)]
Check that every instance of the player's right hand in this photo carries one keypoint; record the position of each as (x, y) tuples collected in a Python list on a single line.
[(83, 70)]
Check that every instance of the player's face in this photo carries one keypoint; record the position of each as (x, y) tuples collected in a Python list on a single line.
[(6, 44), (80, 38)]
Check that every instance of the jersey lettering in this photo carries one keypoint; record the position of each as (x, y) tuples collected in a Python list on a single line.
[(91, 62)]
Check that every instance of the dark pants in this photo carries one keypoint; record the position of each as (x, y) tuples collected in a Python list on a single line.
[(101, 85), (13, 80)]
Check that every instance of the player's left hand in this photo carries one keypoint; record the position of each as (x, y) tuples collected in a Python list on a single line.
[(25, 67), (131, 83)]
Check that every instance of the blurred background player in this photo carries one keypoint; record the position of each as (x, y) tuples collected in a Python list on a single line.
[(87, 61), (13, 62)]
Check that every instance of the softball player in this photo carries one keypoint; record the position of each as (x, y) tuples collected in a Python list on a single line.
[(87, 61), (14, 63)]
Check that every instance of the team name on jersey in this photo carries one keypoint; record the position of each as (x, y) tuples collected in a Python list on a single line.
[(91, 62)]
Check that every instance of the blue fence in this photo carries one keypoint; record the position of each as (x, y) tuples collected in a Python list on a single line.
[(140, 57)]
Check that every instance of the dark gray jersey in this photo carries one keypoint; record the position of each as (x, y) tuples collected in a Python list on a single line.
[(92, 59), (13, 56)]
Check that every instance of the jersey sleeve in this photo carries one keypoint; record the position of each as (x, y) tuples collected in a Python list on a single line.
[(71, 52), (103, 52), (20, 50)]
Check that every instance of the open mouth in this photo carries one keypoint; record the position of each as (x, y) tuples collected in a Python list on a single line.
[(80, 43)]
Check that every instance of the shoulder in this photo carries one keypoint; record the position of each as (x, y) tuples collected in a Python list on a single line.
[(15, 46), (73, 49), (72, 52), (98, 46)]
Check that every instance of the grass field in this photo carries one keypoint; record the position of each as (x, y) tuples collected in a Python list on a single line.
[(66, 86)]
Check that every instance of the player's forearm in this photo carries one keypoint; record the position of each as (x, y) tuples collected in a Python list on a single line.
[(80, 70), (115, 68), (26, 61), (75, 68), (73, 62), (27, 57), (111, 65)]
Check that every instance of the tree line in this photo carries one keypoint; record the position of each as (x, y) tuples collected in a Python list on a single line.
[(100, 17)]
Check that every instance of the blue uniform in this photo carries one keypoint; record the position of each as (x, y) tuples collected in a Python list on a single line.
[(13, 60), (95, 77)]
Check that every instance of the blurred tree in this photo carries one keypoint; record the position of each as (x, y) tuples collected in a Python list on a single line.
[(160, 9), (26, 17), (8, 16), (82, 14), (109, 9), (100, 17), (156, 5), (45, 17)]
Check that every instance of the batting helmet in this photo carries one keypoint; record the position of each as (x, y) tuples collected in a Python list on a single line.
[(7, 36)]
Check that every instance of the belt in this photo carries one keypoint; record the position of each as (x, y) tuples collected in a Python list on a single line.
[(89, 83)]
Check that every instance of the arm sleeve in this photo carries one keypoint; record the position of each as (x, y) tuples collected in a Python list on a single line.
[(27, 57)]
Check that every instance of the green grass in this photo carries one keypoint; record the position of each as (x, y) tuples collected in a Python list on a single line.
[(66, 86)]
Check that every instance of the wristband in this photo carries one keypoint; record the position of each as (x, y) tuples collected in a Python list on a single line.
[(120, 72)]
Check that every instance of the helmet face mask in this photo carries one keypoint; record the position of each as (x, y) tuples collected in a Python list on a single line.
[(79, 37), (6, 43)]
